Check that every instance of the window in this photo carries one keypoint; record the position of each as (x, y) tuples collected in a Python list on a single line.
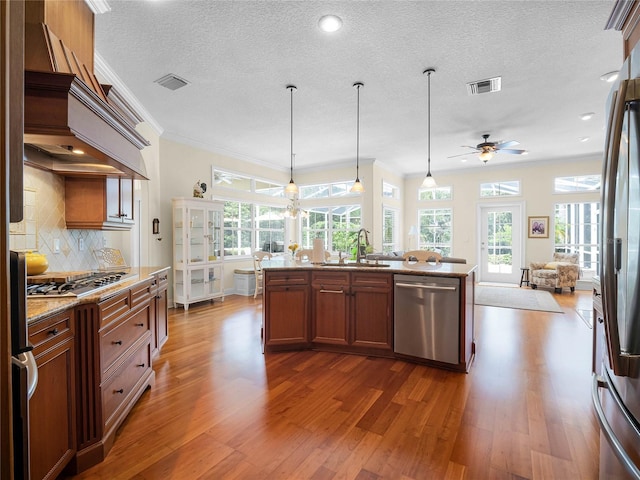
[(390, 229), (584, 183), (246, 184), (238, 228), (500, 189), (337, 226), (576, 231), (437, 193), (435, 230), (326, 190), (270, 228), (390, 191)]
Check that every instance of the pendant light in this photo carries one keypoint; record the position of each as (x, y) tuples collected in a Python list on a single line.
[(291, 189), (429, 181), (357, 186)]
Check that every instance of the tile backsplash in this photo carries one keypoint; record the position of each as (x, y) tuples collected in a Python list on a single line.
[(44, 224)]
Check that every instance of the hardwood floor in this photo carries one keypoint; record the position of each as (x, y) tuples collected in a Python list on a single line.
[(220, 409)]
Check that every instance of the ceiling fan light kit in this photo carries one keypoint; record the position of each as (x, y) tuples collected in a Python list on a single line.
[(357, 185), (291, 189), (429, 181)]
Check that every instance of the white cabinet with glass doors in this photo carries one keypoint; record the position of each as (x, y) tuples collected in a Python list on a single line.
[(197, 250)]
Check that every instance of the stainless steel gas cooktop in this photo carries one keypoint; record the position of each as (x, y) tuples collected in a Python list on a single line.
[(78, 286)]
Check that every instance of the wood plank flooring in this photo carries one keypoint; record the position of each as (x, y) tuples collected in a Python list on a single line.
[(220, 409)]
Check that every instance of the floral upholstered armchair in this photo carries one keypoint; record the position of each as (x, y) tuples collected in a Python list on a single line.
[(563, 271)]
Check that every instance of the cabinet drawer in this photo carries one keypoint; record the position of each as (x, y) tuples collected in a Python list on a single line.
[(163, 280), (370, 279), (287, 278), (118, 337), (319, 279), (120, 386), (114, 307), (141, 293), (45, 334)]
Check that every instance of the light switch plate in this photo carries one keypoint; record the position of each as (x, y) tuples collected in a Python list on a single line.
[(56, 245), (81, 244)]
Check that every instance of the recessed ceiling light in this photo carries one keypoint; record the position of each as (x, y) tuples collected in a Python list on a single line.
[(584, 139), (610, 77), (330, 23), (463, 160), (587, 115)]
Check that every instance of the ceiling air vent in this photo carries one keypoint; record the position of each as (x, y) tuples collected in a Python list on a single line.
[(172, 82), (485, 86)]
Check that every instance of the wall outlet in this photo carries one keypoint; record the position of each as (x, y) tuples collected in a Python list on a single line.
[(104, 241), (56, 245), (81, 244)]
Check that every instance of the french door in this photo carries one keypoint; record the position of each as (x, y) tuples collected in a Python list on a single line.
[(500, 243)]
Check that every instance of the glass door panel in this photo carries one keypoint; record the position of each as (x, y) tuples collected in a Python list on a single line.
[(197, 239), (500, 244)]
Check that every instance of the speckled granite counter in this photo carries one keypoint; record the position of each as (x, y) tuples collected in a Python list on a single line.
[(402, 267), (39, 307)]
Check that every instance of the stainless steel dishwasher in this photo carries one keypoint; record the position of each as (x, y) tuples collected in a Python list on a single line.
[(427, 317)]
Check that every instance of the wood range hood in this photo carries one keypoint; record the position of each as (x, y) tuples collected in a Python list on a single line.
[(73, 125)]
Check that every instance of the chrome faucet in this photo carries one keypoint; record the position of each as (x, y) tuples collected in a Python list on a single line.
[(361, 250)]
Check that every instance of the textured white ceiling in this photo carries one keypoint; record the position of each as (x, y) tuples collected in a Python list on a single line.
[(239, 56)]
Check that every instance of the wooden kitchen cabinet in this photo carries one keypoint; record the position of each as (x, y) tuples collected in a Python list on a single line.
[(159, 312), (330, 295), (352, 309), (371, 307), (114, 367), (52, 425), (99, 203), (286, 299)]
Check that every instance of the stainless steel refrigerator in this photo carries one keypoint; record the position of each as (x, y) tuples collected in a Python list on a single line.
[(24, 372), (616, 389)]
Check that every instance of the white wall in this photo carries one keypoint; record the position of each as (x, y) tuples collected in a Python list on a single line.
[(536, 183)]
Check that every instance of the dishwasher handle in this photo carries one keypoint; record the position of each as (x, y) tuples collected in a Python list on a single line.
[(425, 287)]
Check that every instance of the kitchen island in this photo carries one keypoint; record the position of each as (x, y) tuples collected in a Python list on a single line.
[(350, 308), (94, 356)]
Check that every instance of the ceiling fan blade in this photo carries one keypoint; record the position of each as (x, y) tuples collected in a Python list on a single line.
[(510, 150), (508, 143), (462, 154), (469, 146)]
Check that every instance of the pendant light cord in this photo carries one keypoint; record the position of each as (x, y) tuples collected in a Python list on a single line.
[(429, 122), (358, 136), (291, 90)]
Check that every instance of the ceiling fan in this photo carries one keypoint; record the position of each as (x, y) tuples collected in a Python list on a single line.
[(488, 149)]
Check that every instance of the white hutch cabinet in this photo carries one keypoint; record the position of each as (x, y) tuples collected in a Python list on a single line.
[(197, 250)]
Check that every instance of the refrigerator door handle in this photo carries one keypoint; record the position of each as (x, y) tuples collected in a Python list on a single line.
[(618, 448), (28, 361), (618, 254)]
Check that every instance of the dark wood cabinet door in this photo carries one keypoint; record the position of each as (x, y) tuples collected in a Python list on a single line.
[(52, 406), (330, 313), (288, 310), (371, 317), (162, 318)]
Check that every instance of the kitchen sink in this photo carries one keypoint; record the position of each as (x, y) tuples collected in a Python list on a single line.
[(354, 264)]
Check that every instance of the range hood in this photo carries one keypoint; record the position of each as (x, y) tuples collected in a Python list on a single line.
[(70, 125)]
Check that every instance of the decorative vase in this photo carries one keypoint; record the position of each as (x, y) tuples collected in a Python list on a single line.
[(37, 263)]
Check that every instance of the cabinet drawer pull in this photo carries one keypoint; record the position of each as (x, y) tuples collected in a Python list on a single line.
[(331, 291), (158, 297), (53, 332), (140, 365), (117, 342), (119, 391), (139, 324)]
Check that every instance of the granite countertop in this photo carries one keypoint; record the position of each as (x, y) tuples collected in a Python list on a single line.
[(403, 267), (39, 307)]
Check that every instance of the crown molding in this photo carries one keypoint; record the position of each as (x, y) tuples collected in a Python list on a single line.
[(104, 71)]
